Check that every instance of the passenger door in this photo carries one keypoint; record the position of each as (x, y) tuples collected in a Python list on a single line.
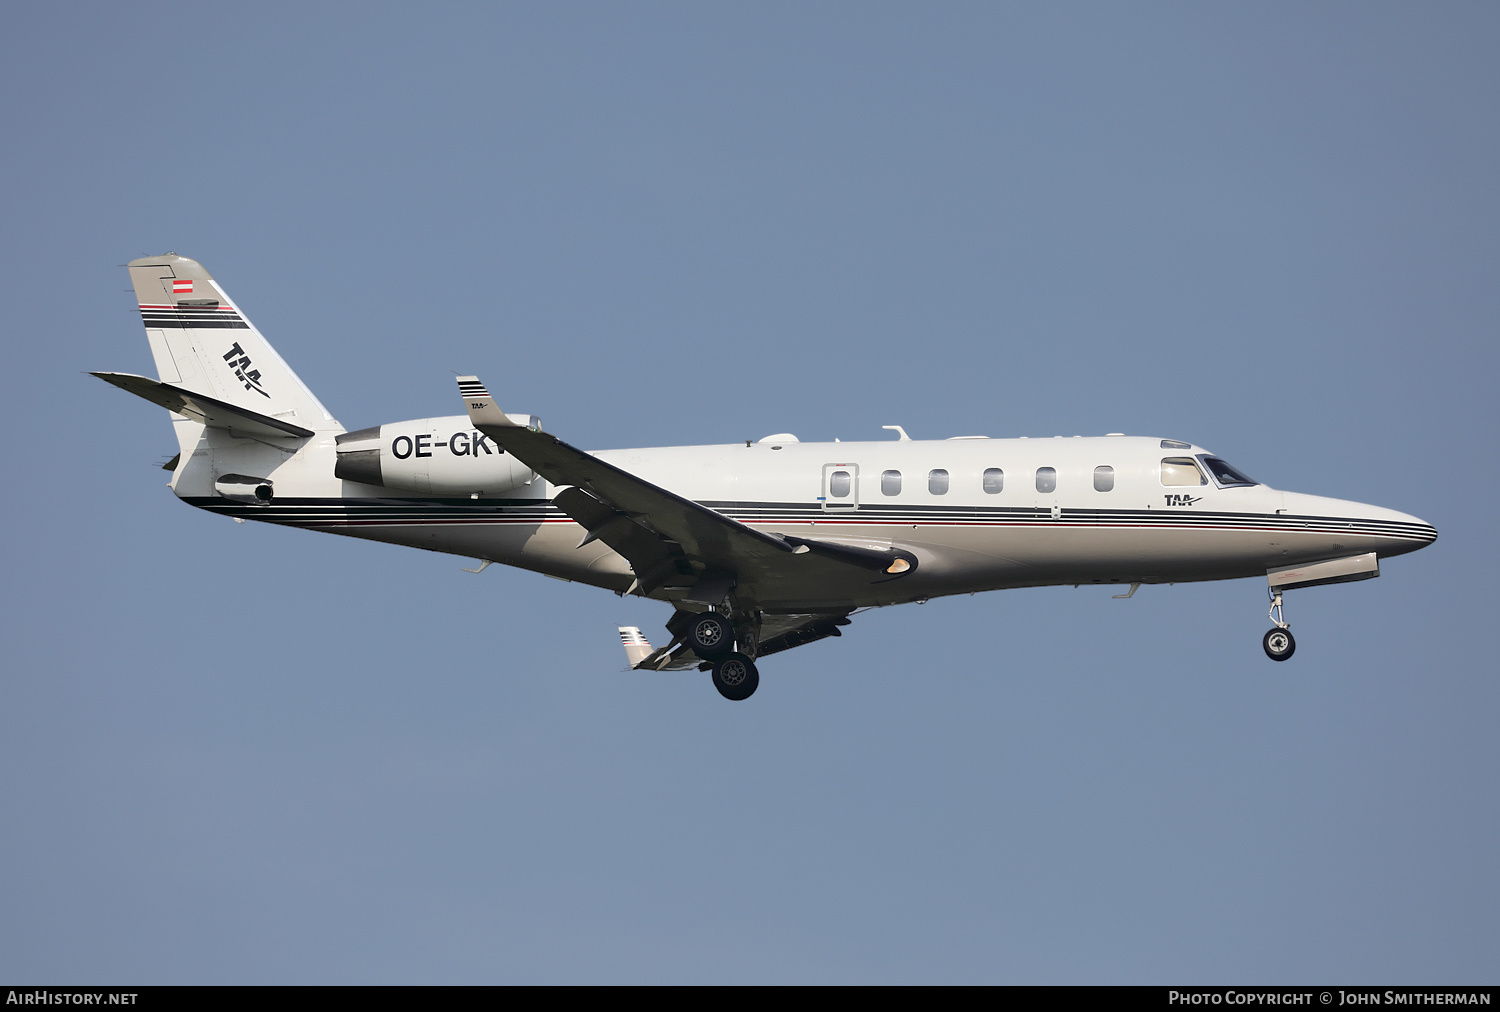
[(840, 487)]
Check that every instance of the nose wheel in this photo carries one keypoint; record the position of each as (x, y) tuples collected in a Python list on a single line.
[(1279, 643)]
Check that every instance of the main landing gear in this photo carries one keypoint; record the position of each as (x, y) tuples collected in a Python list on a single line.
[(709, 635), (712, 637), (1278, 643), (735, 677)]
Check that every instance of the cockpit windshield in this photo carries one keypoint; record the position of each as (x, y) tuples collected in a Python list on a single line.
[(1226, 476)]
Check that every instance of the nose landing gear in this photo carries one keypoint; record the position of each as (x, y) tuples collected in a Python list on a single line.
[(1278, 643)]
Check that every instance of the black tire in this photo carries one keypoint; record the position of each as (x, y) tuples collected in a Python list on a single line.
[(710, 636), (1279, 644), (735, 677)]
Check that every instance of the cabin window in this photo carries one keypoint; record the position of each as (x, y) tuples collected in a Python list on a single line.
[(1104, 478), (838, 484), (1046, 479), (937, 482), (890, 482), (1181, 471), (994, 480)]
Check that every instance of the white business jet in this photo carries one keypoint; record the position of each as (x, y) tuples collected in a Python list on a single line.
[(758, 547)]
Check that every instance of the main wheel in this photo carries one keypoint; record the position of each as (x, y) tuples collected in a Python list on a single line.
[(735, 677), (709, 635), (1279, 644)]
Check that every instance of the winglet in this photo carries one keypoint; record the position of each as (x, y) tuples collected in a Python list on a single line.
[(481, 406), (636, 647)]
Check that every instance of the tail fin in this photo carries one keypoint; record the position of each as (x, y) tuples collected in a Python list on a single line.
[(203, 344)]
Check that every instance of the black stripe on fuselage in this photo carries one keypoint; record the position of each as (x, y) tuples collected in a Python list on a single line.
[(879, 514), (320, 513), (310, 512)]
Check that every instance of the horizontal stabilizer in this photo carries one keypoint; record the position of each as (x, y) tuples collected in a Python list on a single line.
[(212, 412)]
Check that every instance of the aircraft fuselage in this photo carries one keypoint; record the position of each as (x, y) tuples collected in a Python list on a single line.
[(979, 514)]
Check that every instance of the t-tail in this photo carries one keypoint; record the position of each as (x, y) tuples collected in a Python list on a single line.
[(239, 411)]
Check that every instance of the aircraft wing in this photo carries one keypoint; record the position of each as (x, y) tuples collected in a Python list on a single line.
[(668, 540)]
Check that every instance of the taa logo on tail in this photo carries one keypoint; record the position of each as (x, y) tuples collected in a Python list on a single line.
[(240, 363)]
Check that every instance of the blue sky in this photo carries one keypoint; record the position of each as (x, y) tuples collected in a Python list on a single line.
[(243, 754)]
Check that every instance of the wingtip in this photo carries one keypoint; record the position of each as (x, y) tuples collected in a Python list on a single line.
[(637, 648), (470, 385), (480, 404)]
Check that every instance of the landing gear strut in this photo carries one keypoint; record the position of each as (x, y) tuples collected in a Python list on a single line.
[(1278, 643)]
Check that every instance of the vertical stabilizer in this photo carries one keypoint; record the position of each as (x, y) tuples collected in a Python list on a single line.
[(203, 343)]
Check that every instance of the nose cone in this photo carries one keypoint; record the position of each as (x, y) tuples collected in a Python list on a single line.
[(1415, 534), (1377, 528)]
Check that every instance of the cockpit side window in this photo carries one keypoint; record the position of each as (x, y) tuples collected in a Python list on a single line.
[(1176, 471), (1226, 476)]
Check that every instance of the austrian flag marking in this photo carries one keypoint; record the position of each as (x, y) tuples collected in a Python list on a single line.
[(182, 287)]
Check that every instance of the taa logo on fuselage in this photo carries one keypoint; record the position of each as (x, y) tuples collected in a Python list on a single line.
[(1183, 500), (240, 363)]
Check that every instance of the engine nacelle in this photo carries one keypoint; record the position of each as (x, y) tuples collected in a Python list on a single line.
[(435, 456)]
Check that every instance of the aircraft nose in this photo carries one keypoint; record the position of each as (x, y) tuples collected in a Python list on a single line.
[(1390, 532), (1421, 528), (1400, 532)]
